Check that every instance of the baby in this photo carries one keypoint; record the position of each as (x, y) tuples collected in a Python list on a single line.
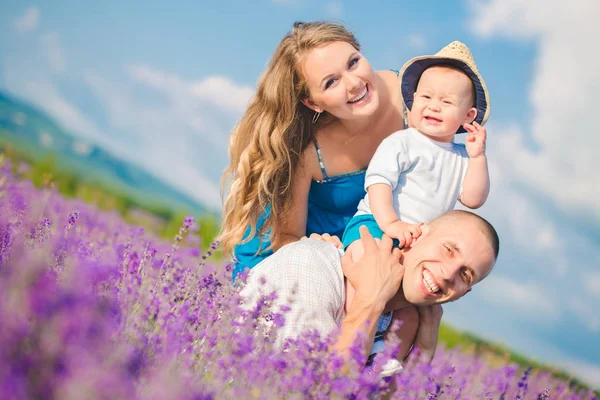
[(419, 173)]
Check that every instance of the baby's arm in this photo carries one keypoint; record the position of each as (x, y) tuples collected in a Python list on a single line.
[(476, 186), (381, 202), (389, 161)]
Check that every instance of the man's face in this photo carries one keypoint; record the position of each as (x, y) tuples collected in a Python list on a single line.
[(446, 261)]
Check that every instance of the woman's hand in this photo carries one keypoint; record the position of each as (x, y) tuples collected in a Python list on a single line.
[(326, 237), (376, 276), (429, 327)]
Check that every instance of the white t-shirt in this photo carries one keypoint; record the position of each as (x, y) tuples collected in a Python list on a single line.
[(310, 273), (426, 176)]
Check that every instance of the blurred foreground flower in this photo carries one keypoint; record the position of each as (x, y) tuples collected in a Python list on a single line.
[(93, 308)]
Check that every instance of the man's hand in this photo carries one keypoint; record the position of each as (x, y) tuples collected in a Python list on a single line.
[(377, 275), (404, 232), (476, 138), (326, 237), (429, 327)]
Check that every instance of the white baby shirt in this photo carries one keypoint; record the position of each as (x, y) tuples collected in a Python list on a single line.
[(426, 176)]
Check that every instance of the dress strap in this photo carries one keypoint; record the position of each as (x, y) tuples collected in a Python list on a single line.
[(396, 71), (320, 158)]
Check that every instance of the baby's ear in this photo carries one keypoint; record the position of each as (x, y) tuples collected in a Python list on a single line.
[(471, 115)]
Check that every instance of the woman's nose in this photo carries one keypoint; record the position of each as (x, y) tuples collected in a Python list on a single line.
[(354, 82)]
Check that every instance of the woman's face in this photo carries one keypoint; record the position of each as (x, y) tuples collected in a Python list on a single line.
[(340, 81)]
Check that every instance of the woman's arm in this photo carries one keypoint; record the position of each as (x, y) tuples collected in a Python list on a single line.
[(292, 227)]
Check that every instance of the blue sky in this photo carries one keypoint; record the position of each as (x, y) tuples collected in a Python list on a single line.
[(162, 84)]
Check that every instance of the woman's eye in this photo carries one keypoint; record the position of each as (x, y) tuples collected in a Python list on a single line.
[(353, 62), (329, 83)]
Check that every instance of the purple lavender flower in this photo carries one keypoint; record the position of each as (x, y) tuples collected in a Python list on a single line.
[(97, 315)]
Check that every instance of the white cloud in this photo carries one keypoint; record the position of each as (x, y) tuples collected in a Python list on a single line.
[(181, 135), (586, 311), (189, 98), (591, 282), (527, 298), (217, 89), (563, 97), (334, 9), (43, 94), (54, 52), (28, 21), (417, 41)]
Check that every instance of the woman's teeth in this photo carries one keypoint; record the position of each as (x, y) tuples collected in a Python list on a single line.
[(429, 283), (359, 97)]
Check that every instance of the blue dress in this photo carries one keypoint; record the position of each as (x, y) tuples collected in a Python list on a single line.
[(332, 203)]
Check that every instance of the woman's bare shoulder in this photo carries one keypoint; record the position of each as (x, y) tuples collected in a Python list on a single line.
[(309, 162)]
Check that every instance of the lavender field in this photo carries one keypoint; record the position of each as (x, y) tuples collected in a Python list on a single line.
[(93, 308)]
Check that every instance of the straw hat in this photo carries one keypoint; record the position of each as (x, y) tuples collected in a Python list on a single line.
[(458, 55)]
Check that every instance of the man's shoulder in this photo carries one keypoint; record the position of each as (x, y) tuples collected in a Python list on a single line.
[(301, 262)]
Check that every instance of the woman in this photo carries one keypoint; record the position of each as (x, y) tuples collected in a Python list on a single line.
[(299, 154)]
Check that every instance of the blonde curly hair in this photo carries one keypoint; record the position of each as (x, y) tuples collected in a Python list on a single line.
[(267, 144)]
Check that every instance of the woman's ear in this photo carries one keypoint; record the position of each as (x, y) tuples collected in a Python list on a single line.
[(312, 105)]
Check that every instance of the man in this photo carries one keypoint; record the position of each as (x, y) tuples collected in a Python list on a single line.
[(453, 253)]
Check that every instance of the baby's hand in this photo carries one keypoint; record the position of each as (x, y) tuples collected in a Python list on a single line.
[(475, 142), (405, 233)]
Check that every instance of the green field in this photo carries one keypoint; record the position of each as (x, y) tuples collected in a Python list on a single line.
[(43, 169)]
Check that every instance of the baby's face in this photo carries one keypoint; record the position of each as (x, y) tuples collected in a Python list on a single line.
[(442, 103)]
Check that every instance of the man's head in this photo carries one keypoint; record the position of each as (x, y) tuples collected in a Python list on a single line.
[(454, 252)]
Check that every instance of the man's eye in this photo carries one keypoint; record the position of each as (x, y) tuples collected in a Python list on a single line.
[(447, 102), (466, 276), (426, 96), (448, 249)]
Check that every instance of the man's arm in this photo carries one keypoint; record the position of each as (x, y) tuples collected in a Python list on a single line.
[(376, 278)]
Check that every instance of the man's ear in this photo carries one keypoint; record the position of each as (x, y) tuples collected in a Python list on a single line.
[(312, 105), (471, 115), (424, 226)]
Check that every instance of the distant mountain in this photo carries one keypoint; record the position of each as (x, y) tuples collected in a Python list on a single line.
[(26, 126)]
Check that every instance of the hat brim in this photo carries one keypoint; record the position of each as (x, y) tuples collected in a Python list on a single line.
[(411, 73)]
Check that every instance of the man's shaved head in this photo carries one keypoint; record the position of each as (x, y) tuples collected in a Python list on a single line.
[(454, 216)]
